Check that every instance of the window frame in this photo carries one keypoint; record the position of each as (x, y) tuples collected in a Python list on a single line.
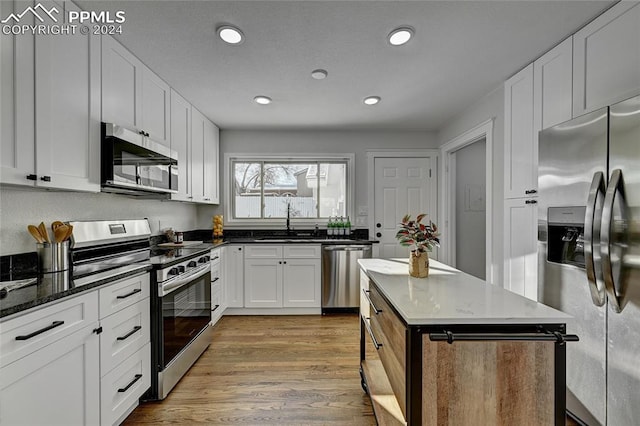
[(230, 158)]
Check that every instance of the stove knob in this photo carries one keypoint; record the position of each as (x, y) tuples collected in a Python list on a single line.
[(173, 271), (192, 264), (203, 259), (181, 268), (207, 258)]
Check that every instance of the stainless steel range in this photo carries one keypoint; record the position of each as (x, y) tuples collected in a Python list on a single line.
[(180, 314)]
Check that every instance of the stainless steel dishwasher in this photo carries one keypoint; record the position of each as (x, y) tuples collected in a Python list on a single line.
[(341, 276)]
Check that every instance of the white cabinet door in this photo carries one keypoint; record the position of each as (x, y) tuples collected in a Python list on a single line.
[(121, 88), (156, 99), (17, 127), (233, 258), (58, 384), (301, 283), (606, 58), (67, 80), (520, 174), (198, 122), (211, 153), (263, 283), (181, 143), (520, 247), (552, 83)]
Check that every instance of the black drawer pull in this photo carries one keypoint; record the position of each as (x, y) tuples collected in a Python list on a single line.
[(370, 331), (42, 330), (124, 296), (215, 258), (126, 336), (366, 294), (215, 307), (135, 379), (215, 279)]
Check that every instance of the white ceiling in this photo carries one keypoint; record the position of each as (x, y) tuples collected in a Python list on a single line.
[(460, 52)]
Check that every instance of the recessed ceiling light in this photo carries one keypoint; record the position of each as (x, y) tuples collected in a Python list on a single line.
[(262, 100), (400, 36), (371, 100), (230, 34), (319, 74)]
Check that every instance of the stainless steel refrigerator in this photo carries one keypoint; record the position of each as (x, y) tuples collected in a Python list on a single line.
[(589, 251)]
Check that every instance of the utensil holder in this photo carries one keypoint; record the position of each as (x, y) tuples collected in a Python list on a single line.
[(53, 257)]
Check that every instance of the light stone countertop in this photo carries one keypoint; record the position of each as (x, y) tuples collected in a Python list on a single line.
[(449, 296)]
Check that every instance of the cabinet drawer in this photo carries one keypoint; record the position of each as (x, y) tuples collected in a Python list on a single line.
[(216, 273), (298, 251), (27, 333), (124, 333), (121, 388), (365, 311), (216, 255), (123, 293), (260, 251), (216, 296), (391, 335)]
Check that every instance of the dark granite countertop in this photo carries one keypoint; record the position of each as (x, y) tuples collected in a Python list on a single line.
[(295, 240), (31, 291)]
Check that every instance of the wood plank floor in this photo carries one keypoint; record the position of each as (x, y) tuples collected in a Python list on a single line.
[(271, 370)]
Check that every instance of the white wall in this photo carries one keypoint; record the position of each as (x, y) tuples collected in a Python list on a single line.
[(470, 210), (489, 106), (314, 142), (21, 207)]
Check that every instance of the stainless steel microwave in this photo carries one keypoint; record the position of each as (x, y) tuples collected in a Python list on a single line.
[(136, 165)]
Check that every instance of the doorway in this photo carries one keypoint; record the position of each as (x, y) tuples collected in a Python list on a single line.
[(403, 183), (467, 200)]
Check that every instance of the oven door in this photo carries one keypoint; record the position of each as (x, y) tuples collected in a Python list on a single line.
[(186, 311)]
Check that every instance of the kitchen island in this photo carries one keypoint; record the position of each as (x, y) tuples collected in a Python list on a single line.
[(452, 349)]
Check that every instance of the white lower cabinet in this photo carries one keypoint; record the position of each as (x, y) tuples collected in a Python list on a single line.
[(520, 247), (218, 304), (125, 357), (56, 380), (282, 276), (233, 258)]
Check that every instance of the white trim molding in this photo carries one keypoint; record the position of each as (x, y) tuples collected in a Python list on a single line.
[(484, 131)]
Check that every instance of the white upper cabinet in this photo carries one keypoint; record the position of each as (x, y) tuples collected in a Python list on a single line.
[(606, 58), (181, 143), (552, 84), (198, 122), (156, 99), (51, 106), (211, 156), (132, 95), (520, 175), (67, 110)]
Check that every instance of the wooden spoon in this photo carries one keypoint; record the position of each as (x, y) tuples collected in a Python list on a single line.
[(55, 225), (43, 232), (33, 230), (60, 233), (69, 233)]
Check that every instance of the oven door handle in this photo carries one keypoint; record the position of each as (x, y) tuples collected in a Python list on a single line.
[(182, 281)]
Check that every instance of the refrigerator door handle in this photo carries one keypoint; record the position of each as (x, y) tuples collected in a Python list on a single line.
[(614, 285), (591, 230)]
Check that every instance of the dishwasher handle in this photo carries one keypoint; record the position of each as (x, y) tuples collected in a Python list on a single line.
[(346, 248)]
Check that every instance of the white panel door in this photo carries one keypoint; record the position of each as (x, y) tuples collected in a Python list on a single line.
[(606, 58), (520, 247), (210, 164), (233, 259), (68, 110), (301, 283), (401, 186), (181, 143), (156, 96), (262, 283), (121, 91)]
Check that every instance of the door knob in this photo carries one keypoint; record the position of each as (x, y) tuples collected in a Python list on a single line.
[(378, 234), (378, 225)]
